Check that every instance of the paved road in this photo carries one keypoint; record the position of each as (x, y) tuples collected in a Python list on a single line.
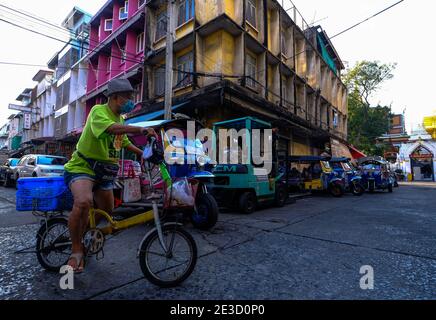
[(313, 249)]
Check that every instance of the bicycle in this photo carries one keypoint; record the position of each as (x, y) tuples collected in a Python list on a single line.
[(164, 241)]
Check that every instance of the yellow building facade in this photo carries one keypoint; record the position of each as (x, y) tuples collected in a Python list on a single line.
[(235, 58), (430, 125)]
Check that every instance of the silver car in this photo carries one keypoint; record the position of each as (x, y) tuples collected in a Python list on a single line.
[(34, 165)]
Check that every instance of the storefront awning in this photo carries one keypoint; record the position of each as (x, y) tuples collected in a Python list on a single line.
[(153, 115), (356, 154), (340, 150)]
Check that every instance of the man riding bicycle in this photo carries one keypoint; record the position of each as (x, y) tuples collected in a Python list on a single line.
[(91, 172)]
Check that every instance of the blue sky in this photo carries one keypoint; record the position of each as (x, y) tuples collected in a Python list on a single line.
[(402, 35)]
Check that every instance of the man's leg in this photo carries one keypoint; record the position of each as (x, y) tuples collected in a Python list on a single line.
[(83, 201), (104, 200)]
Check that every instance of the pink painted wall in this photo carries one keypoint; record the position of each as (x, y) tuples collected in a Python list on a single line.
[(103, 34), (103, 75), (131, 49), (117, 66), (92, 79), (133, 7), (116, 15), (94, 37)]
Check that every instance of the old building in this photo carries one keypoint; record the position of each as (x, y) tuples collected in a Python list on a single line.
[(417, 156), (116, 48), (53, 112), (69, 82), (248, 57), (4, 135), (394, 137)]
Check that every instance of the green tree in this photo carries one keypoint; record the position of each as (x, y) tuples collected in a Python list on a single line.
[(366, 122)]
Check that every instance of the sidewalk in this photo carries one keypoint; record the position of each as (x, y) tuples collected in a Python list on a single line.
[(418, 184)]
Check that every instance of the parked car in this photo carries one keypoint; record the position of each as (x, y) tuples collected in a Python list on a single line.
[(353, 181), (375, 174), (315, 173), (7, 171), (34, 165)]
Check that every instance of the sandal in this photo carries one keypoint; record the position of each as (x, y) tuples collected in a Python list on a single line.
[(80, 258)]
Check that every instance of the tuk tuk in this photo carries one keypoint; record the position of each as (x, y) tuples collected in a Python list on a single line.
[(185, 148), (375, 174), (314, 174), (245, 186), (352, 180)]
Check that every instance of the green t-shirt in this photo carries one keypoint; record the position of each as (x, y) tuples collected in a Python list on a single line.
[(95, 143)]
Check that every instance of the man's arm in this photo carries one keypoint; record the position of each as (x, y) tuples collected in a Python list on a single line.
[(118, 129), (134, 149)]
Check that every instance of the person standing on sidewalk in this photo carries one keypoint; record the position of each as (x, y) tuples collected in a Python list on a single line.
[(91, 172)]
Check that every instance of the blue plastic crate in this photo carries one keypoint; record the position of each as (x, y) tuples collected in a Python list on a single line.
[(43, 194)]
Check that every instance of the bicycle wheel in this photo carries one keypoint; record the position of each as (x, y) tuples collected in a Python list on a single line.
[(168, 269), (53, 244)]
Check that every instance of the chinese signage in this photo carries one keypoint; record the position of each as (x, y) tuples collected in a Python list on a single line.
[(27, 121)]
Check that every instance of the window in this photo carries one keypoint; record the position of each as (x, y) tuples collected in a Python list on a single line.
[(252, 12), (108, 23), (285, 91), (52, 161), (185, 63), (284, 46), (124, 11), (161, 25), (31, 161), (251, 66), (335, 119), (140, 43), (22, 161), (123, 54), (186, 11), (159, 81), (138, 93)]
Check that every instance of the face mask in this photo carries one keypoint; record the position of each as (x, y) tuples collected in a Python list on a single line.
[(127, 107)]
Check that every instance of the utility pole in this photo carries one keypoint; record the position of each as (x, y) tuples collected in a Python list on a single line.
[(169, 73)]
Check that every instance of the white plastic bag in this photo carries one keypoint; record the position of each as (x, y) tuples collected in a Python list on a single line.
[(181, 194)]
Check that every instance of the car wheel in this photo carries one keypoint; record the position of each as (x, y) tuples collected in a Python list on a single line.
[(247, 203), (357, 189), (390, 188), (16, 181), (336, 191), (7, 181), (281, 196)]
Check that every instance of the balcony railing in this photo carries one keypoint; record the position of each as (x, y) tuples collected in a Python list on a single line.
[(294, 14)]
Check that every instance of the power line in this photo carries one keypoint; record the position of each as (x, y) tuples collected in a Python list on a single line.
[(45, 66), (31, 23), (69, 42), (34, 17), (371, 17), (45, 22)]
